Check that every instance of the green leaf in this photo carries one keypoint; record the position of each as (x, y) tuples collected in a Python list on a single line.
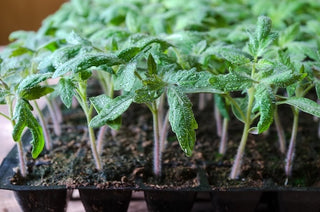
[(267, 42), (112, 110), (99, 102), (86, 61), (3, 95), (243, 105), (231, 82), (76, 39), (185, 40), (61, 56), (219, 101), (20, 51), (129, 53), (181, 119), (144, 95), (125, 77), (200, 47), (32, 81), (152, 90), (191, 81), (35, 92), (303, 104), (234, 56), (262, 38), (82, 7), (115, 124), (152, 66), (146, 42), (284, 78), (263, 29), (24, 118), (288, 34), (132, 22), (265, 103), (66, 91), (85, 75)]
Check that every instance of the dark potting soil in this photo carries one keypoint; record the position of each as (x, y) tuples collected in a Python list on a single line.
[(263, 163), (127, 156)]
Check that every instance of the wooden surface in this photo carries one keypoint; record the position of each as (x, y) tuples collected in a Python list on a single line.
[(24, 15)]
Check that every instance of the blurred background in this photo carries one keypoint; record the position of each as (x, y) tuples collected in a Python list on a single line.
[(19, 15), (24, 15)]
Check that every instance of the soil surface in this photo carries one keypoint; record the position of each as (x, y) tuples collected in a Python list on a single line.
[(127, 155)]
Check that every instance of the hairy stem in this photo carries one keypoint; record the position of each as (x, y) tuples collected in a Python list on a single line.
[(236, 168), (43, 124), (156, 145), (56, 125), (280, 132), (100, 138), (82, 99), (217, 117), (57, 110), (94, 148), (202, 101), (164, 132), (224, 137), (22, 160), (291, 149)]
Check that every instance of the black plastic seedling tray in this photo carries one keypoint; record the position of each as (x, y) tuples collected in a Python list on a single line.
[(55, 198)]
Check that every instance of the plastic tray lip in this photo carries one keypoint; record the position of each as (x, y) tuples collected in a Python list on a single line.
[(11, 161)]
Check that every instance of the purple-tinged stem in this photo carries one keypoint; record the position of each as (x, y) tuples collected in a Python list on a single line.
[(224, 137), (87, 109), (218, 120), (291, 149), (22, 160), (202, 101), (53, 114), (43, 124), (164, 132), (100, 138), (236, 167), (57, 110), (156, 145), (280, 132)]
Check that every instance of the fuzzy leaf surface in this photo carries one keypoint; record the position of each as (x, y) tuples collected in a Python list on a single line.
[(99, 102), (284, 78), (303, 104), (85, 61), (234, 56), (219, 101), (32, 81), (181, 119), (265, 103), (191, 81), (125, 78), (66, 91), (112, 110), (35, 92), (231, 82), (24, 118), (152, 90)]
